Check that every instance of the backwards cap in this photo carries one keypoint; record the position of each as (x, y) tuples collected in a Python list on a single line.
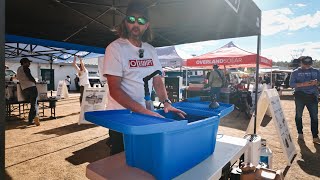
[(138, 8)]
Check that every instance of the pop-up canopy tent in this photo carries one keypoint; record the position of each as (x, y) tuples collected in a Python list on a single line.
[(91, 23), (169, 57), (37, 53), (229, 56), (88, 25)]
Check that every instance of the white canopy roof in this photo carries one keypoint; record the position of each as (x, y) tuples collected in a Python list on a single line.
[(169, 57)]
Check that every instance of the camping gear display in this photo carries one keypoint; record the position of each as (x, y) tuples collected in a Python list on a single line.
[(165, 147)]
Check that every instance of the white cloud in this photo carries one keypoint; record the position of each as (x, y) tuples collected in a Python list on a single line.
[(285, 52), (278, 20), (315, 21), (300, 5)]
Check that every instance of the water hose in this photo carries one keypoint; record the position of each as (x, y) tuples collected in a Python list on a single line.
[(147, 96)]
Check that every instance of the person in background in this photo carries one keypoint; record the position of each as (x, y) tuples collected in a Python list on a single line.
[(76, 82), (305, 82), (125, 76), (68, 82), (234, 80), (83, 75), (242, 86), (29, 90), (266, 79), (216, 81)]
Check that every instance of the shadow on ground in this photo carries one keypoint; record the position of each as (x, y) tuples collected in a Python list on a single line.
[(90, 154), (71, 128), (240, 121), (309, 162), (16, 122), (287, 97), (235, 120), (7, 176)]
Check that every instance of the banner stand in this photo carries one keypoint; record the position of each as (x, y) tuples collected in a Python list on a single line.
[(270, 99), (93, 99)]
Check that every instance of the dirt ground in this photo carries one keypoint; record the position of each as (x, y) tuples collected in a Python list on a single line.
[(61, 149)]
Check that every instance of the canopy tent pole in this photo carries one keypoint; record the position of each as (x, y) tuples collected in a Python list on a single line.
[(2, 94), (257, 85), (186, 77), (51, 78), (271, 78)]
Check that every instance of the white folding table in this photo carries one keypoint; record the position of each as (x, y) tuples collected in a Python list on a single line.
[(228, 150)]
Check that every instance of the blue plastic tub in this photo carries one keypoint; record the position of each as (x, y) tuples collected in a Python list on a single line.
[(164, 147), (198, 105)]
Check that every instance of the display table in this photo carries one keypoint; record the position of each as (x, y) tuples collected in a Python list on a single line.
[(228, 151), (14, 105)]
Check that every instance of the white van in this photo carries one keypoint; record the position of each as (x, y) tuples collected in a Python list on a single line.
[(10, 74)]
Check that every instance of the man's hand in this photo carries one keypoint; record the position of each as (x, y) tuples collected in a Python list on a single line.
[(309, 83), (152, 113), (167, 108), (314, 82)]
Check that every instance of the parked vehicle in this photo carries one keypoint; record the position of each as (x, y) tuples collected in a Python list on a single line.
[(10, 74), (94, 78)]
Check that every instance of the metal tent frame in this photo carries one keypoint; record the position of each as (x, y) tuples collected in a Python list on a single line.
[(88, 25), (41, 53)]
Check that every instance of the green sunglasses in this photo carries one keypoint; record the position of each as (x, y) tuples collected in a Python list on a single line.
[(133, 19)]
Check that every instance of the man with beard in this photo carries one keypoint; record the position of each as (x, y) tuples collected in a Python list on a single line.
[(305, 81), (127, 61)]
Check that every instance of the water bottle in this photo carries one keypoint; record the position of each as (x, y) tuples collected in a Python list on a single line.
[(265, 154)]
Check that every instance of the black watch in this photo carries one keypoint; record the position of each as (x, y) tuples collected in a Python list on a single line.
[(167, 101)]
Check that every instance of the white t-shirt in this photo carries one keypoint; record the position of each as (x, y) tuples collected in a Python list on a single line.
[(122, 59), (68, 81), (83, 77)]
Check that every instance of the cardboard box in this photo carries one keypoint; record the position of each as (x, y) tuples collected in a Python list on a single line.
[(263, 174), (268, 174)]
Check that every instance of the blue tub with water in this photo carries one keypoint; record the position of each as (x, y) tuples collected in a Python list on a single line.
[(164, 147)]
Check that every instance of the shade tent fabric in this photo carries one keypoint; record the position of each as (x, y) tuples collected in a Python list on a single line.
[(91, 23), (182, 68), (41, 54), (169, 57), (230, 56)]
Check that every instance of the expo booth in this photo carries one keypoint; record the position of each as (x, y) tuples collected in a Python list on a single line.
[(169, 58), (171, 28), (229, 56)]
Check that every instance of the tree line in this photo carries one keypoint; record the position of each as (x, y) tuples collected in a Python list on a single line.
[(316, 64)]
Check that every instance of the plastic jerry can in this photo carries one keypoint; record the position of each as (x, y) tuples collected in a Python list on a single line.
[(265, 154)]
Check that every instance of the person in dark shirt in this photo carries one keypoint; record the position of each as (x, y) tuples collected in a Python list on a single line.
[(305, 81), (29, 90)]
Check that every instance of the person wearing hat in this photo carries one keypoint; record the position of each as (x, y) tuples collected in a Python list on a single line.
[(216, 81), (29, 90), (127, 61), (305, 82)]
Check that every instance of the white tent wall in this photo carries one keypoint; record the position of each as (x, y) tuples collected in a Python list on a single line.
[(60, 71), (169, 57)]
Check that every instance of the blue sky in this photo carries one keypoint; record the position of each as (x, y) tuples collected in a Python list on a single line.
[(290, 28)]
